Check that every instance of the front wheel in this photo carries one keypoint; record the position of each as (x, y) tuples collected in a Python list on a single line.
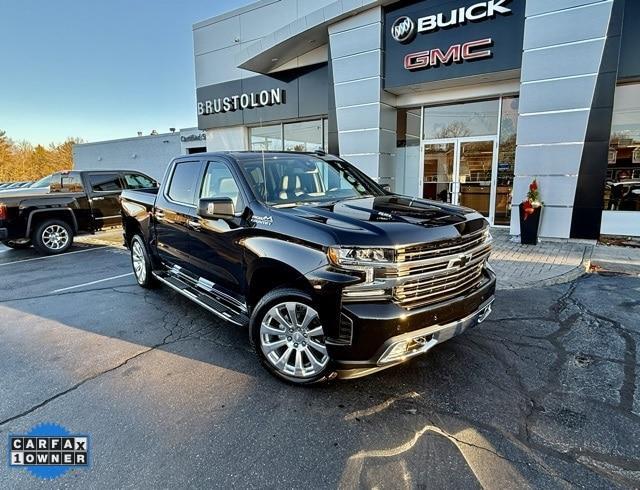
[(141, 263), (52, 237), (288, 337)]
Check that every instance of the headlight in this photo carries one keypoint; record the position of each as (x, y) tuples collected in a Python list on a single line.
[(361, 256)]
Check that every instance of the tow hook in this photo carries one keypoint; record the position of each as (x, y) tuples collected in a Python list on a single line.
[(485, 313)]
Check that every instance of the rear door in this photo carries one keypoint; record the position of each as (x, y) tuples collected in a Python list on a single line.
[(176, 213), (104, 189)]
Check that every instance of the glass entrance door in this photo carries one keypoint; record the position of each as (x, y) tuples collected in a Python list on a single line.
[(461, 171)]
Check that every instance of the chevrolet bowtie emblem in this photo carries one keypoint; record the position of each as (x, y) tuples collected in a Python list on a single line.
[(459, 261)]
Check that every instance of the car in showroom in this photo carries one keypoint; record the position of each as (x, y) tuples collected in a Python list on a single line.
[(333, 275)]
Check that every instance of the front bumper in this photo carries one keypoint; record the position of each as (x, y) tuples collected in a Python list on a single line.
[(4, 233), (385, 334)]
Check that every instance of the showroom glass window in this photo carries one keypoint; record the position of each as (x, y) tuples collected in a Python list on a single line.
[(622, 184), (266, 138), (461, 120), (303, 136), (294, 136), (506, 159)]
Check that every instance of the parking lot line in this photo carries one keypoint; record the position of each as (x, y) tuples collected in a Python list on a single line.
[(54, 256), (92, 282)]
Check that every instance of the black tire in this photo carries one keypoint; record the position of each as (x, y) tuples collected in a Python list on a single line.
[(43, 241), (141, 264), (17, 245), (276, 299)]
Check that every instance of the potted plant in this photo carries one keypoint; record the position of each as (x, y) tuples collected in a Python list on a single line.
[(530, 210)]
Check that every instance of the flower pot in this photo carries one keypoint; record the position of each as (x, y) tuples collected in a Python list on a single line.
[(529, 226)]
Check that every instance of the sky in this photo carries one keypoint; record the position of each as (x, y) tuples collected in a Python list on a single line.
[(98, 69)]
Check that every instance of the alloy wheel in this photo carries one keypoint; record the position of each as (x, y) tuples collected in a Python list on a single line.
[(138, 260), (292, 340), (55, 237)]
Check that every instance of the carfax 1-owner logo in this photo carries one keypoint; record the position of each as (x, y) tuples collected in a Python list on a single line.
[(48, 451)]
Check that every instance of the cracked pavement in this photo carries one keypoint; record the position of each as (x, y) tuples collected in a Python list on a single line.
[(543, 394)]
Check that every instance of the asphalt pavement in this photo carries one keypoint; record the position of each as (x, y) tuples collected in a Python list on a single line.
[(543, 394)]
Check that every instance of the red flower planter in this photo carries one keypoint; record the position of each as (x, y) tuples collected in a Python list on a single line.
[(529, 223)]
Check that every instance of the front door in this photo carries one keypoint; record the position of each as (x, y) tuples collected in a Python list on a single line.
[(461, 171), (214, 252)]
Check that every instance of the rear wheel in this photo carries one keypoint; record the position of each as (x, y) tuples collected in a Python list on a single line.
[(288, 337), (52, 237), (141, 263), (17, 244)]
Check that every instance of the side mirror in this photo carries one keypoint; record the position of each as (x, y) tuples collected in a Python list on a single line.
[(216, 208), (386, 187)]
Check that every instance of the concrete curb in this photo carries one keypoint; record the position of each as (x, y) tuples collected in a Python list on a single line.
[(616, 267), (616, 260), (569, 276)]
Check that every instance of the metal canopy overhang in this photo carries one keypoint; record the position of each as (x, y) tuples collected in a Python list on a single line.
[(289, 49), (301, 36), (448, 83)]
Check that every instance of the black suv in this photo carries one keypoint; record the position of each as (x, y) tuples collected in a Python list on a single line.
[(333, 275)]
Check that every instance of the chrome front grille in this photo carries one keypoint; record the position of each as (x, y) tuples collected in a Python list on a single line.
[(432, 273), (439, 249)]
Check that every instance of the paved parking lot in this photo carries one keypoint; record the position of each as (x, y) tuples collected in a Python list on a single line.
[(543, 394)]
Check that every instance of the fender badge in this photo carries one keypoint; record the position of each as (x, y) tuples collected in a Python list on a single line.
[(262, 220)]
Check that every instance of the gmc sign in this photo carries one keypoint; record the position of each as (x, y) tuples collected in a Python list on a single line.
[(436, 40), (455, 54)]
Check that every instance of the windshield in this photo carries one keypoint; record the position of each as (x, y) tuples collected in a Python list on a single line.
[(287, 180), (43, 182)]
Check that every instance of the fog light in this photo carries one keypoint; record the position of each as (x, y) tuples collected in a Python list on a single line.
[(405, 349), (397, 351)]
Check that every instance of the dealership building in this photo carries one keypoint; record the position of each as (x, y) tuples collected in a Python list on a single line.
[(463, 101), (148, 154)]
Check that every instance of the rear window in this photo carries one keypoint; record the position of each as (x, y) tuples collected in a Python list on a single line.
[(184, 181), (66, 183), (105, 182)]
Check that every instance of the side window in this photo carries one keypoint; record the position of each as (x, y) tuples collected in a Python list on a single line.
[(105, 182), (138, 181), (219, 182), (184, 182), (66, 182)]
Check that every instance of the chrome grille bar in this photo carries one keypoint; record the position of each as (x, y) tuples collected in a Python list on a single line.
[(417, 252), (426, 274)]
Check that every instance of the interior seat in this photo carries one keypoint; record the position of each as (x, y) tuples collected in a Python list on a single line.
[(290, 186)]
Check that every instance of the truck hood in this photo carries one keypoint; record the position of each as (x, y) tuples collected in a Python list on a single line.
[(390, 220)]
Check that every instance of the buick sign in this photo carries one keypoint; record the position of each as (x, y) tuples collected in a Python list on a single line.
[(403, 30)]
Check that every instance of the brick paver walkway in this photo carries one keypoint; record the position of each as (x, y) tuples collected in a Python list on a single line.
[(549, 262)]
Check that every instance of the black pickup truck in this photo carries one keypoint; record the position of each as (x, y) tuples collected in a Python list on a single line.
[(74, 202), (333, 274)]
